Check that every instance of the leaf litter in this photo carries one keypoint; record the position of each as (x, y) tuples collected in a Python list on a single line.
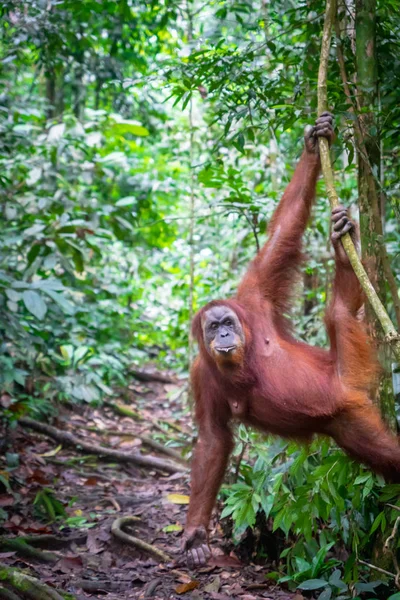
[(70, 500)]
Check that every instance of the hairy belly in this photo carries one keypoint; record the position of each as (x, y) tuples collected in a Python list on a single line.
[(295, 411)]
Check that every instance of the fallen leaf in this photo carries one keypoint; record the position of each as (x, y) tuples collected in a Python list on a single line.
[(69, 563), (51, 452), (39, 476), (178, 498), (91, 481), (170, 528), (7, 500), (92, 542), (224, 561), (213, 586), (187, 587)]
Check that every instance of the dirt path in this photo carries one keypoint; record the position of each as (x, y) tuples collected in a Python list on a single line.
[(88, 494)]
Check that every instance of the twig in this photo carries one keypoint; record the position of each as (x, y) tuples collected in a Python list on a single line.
[(391, 335), (68, 439), (114, 503), (375, 568), (117, 531), (389, 547), (92, 586)]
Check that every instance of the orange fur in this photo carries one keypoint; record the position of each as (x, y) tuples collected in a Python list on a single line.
[(279, 384)]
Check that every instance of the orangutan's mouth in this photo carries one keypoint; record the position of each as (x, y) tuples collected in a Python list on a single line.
[(226, 349)]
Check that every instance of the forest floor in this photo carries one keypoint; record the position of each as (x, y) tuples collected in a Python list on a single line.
[(42, 478)]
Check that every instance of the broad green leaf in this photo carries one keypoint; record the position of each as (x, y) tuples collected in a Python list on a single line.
[(35, 229), (67, 351), (80, 352), (33, 176), (60, 299), (127, 201), (55, 133), (312, 584), (12, 306), (35, 304), (13, 295), (48, 284), (170, 528), (128, 126), (87, 393)]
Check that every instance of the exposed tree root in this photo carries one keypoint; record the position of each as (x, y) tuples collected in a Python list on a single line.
[(124, 411), (92, 586), (117, 531), (21, 547), (68, 439), (144, 439), (27, 586), (8, 594), (146, 375), (48, 540)]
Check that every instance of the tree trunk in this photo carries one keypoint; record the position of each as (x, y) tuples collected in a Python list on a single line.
[(369, 162), (54, 93)]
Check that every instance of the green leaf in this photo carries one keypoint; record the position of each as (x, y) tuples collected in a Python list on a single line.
[(35, 304), (239, 143), (361, 478), (227, 511), (80, 353), (313, 584), (48, 284), (128, 126), (63, 303), (13, 295), (319, 558), (67, 351), (127, 201), (33, 253), (12, 306), (377, 522), (56, 132), (170, 528)]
